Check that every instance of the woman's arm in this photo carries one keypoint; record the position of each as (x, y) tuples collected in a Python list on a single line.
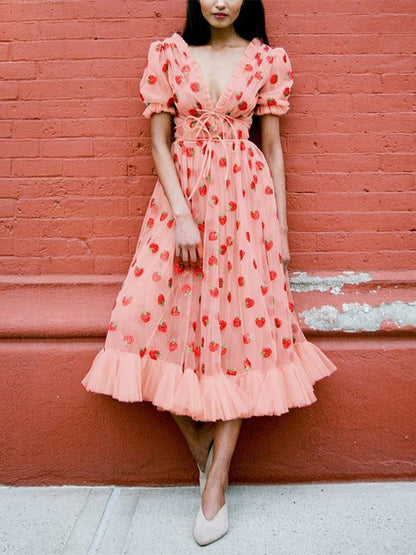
[(187, 234), (272, 150)]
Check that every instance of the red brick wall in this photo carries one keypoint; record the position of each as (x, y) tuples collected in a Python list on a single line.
[(76, 172)]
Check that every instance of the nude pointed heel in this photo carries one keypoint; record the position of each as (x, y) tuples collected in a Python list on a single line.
[(203, 475), (208, 531)]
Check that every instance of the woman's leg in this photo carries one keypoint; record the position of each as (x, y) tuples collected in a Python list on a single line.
[(225, 440), (198, 436)]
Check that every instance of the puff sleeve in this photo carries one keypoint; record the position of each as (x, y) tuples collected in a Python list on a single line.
[(274, 93), (155, 90)]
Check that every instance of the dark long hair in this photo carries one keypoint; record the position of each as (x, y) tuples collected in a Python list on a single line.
[(249, 24)]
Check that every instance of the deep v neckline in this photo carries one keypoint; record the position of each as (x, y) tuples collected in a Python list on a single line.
[(230, 81)]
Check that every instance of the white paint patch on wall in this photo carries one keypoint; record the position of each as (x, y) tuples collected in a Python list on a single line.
[(356, 317), (301, 282)]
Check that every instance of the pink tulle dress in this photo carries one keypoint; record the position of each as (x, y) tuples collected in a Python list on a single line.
[(222, 340)]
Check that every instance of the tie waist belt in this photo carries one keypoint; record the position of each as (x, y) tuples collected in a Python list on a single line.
[(211, 127)]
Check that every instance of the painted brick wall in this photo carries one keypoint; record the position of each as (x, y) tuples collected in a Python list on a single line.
[(76, 172)]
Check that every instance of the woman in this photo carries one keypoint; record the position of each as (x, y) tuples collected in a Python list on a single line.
[(204, 325)]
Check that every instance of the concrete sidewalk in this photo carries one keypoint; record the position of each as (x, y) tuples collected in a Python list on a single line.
[(370, 518)]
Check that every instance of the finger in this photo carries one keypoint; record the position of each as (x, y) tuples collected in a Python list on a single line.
[(192, 252), (184, 256), (178, 251), (199, 250)]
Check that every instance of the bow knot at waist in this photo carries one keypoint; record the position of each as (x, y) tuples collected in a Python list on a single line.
[(210, 125)]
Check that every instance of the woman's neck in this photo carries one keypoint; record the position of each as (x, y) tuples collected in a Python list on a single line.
[(224, 37)]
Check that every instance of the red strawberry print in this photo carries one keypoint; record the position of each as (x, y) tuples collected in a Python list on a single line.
[(223, 162), (145, 315), (264, 288), (154, 354), (126, 301), (223, 349), (246, 338), (284, 58), (236, 168), (214, 291), (214, 200), (242, 253), (249, 302), (186, 289), (268, 190), (291, 307), (259, 165), (205, 320), (266, 352), (240, 281), (229, 265), (270, 59), (286, 342), (239, 95), (247, 364), (195, 87), (268, 243), (150, 223), (179, 267), (242, 105), (255, 214), (272, 275), (201, 225), (138, 271), (179, 79), (194, 325), (254, 264), (237, 322), (273, 79), (213, 235), (229, 296), (202, 190), (222, 249), (222, 219), (128, 339), (154, 247), (222, 324), (142, 351), (248, 67), (260, 321), (185, 69), (212, 260), (164, 255), (173, 345), (213, 346), (231, 371), (170, 222), (271, 102), (151, 79), (248, 235), (286, 91), (153, 203), (232, 206), (175, 311), (197, 351), (162, 326), (112, 326), (163, 215), (161, 299), (156, 276), (277, 323)]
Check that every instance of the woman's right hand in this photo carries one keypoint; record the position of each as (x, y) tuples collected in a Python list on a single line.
[(188, 241)]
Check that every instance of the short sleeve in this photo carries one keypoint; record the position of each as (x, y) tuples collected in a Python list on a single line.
[(155, 90), (274, 94)]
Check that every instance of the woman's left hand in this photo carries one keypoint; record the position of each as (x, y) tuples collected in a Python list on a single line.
[(285, 251)]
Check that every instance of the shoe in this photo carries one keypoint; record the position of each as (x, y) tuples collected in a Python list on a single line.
[(208, 531), (203, 475)]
